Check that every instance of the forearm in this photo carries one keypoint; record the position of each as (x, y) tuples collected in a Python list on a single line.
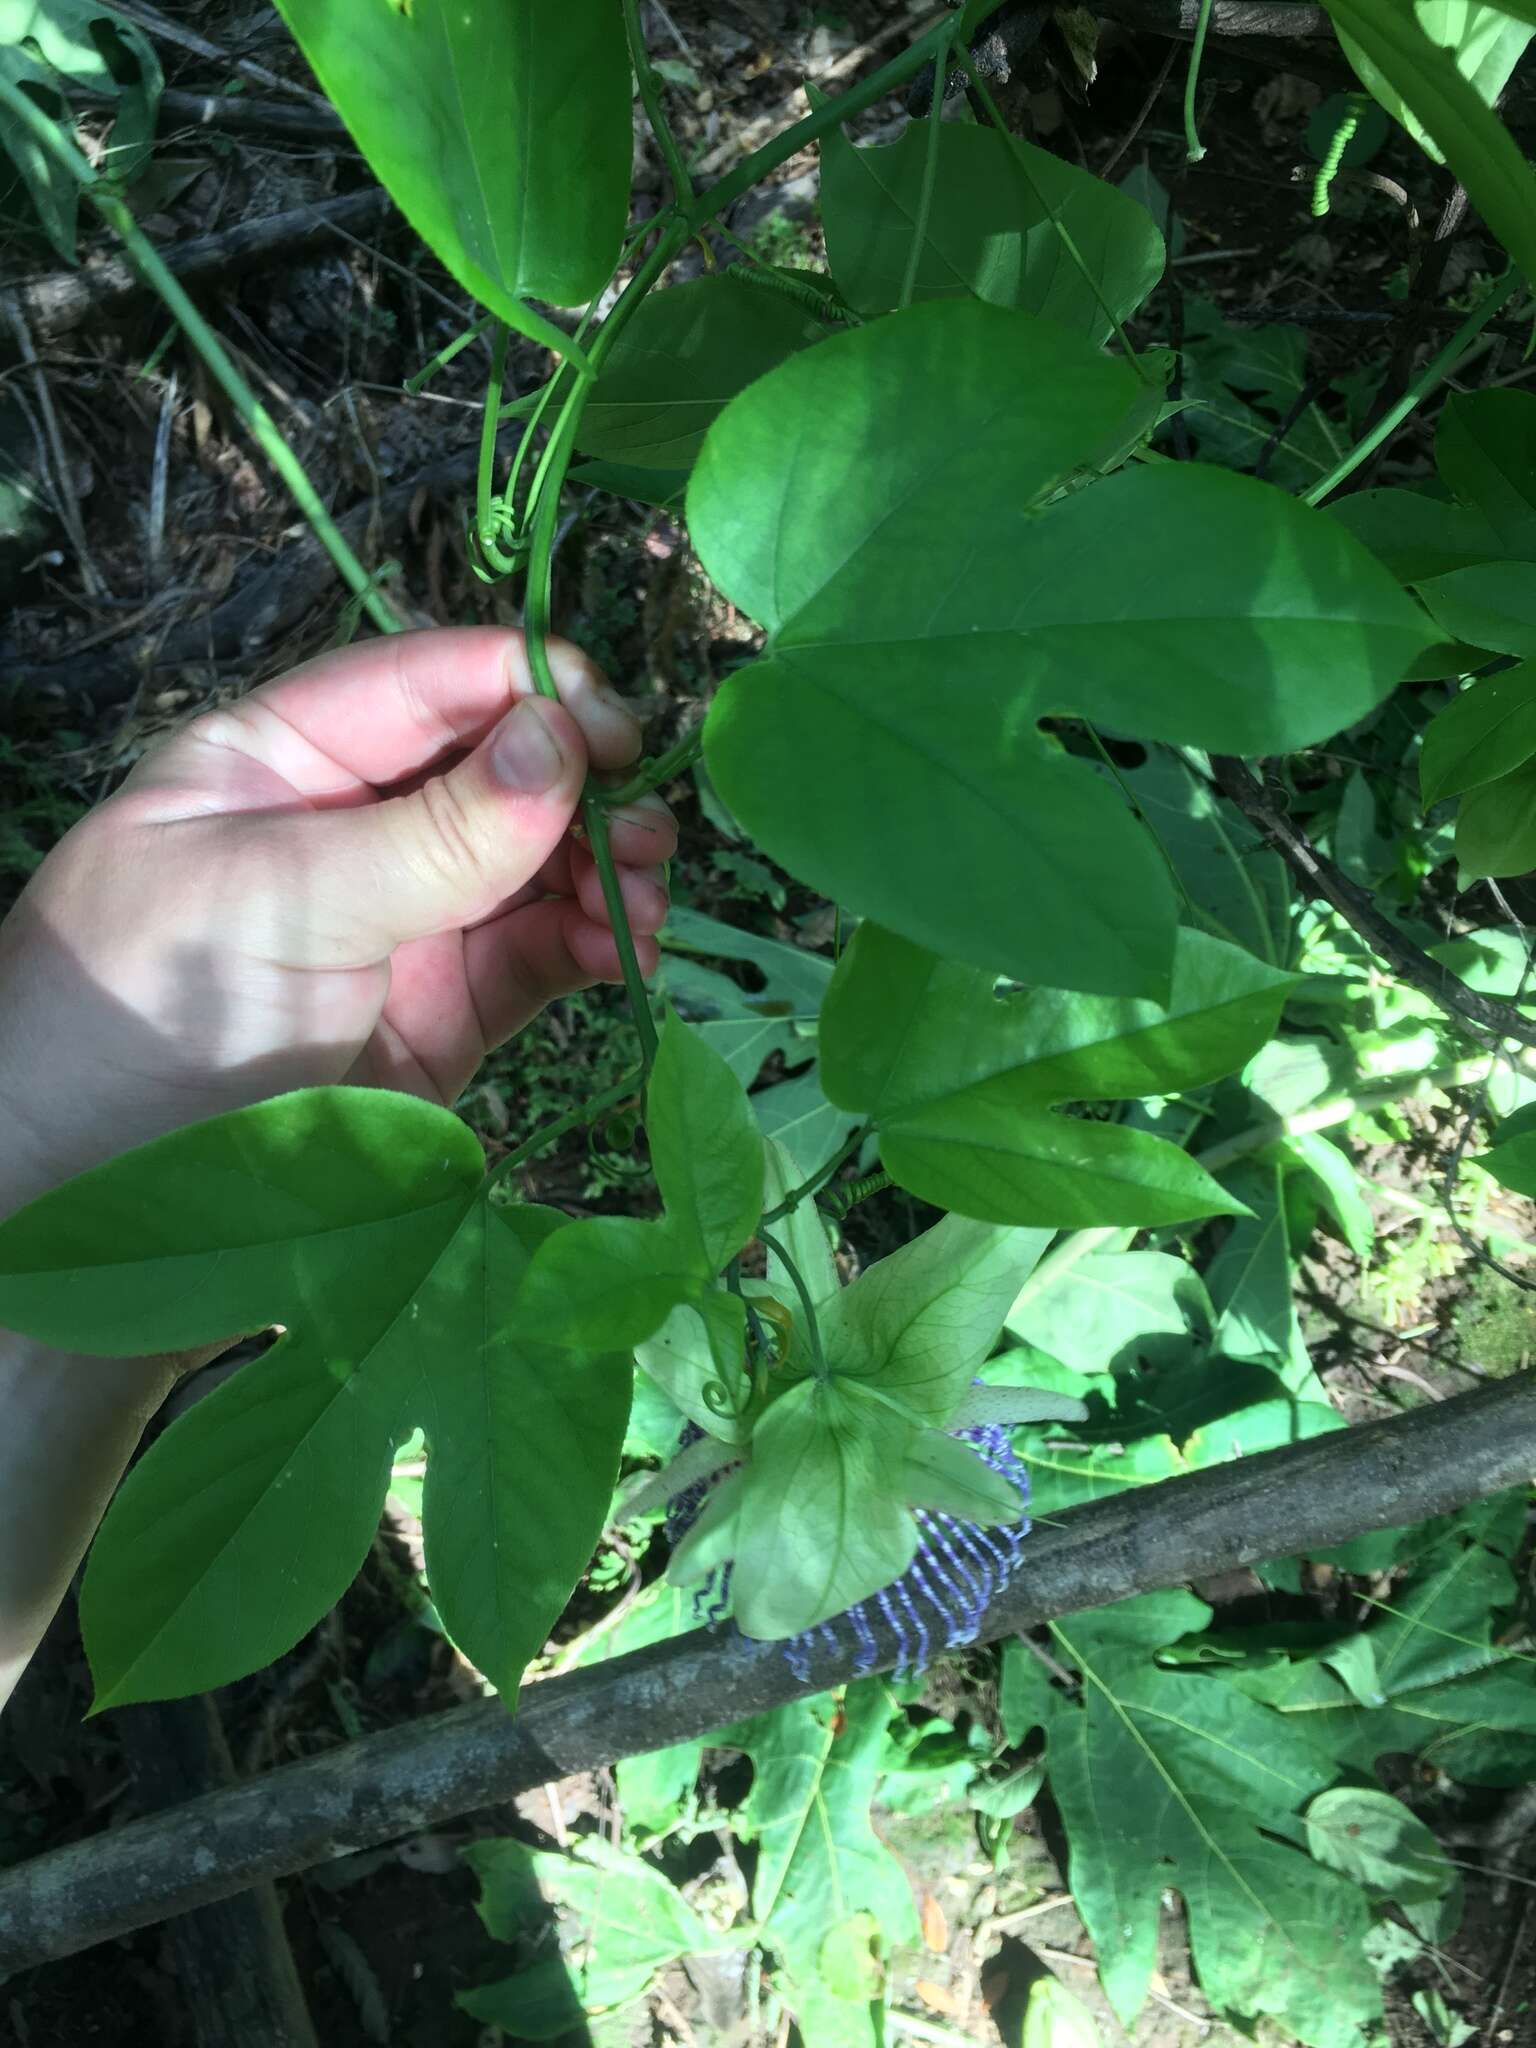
[(70, 1426)]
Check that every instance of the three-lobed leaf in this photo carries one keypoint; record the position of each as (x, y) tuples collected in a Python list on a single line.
[(963, 1082), (356, 1219), (928, 608)]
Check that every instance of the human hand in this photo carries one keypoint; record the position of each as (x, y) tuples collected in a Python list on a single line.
[(316, 884)]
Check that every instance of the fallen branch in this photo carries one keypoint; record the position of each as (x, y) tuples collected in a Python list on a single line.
[(234, 114), (1319, 877), (57, 303), (1294, 1501)]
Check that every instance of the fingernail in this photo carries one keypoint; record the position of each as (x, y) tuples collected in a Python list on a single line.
[(525, 754)]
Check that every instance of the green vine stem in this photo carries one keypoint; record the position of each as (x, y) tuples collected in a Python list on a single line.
[(650, 99), (570, 1120), (822, 1175), (1434, 372), (797, 1281), (1194, 148), (264, 430), (655, 773), (930, 177), (419, 379), (486, 523)]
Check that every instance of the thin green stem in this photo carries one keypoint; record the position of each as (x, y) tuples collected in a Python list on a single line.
[(1194, 148), (485, 474), (446, 354), (1068, 242), (930, 178), (754, 168), (821, 1176), (264, 430), (653, 774), (545, 1136), (1434, 372), (808, 1307), (655, 113), (543, 523)]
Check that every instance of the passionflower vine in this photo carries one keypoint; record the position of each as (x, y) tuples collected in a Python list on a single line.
[(959, 1565)]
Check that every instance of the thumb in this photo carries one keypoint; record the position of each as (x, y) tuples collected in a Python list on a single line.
[(453, 850)]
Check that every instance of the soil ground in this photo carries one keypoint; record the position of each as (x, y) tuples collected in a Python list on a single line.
[(384, 1939)]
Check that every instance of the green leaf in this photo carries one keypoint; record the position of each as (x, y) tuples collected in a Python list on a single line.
[(1454, 1696), (1512, 1156), (1480, 735), (1424, 80), (1230, 372), (1374, 1839), (990, 227), (46, 44), (1485, 449), (1204, 1781), (1112, 1308), (1485, 44), (685, 353), (1250, 1280), (920, 1323), (1055, 2019), (904, 539), (502, 134), (356, 1219), (963, 1082), (822, 1523), (1333, 1173), (820, 1862), (1491, 604), (611, 1282), (620, 1922), (1237, 888), (798, 1116), (1496, 825), (1417, 536), (743, 1025)]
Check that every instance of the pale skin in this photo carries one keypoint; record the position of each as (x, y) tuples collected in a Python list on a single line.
[(364, 872)]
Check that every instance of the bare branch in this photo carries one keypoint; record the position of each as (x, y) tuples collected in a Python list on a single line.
[(1305, 1497)]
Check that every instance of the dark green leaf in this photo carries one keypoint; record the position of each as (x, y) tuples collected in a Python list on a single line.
[(1204, 1781), (1512, 1156), (1485, 449), (686, 352), (904, 539), (1238, 888), (962, 1082), (1496, 825), (1480, 735), (1491, 604), (990, 227), (1418, 536), (503, 135)]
